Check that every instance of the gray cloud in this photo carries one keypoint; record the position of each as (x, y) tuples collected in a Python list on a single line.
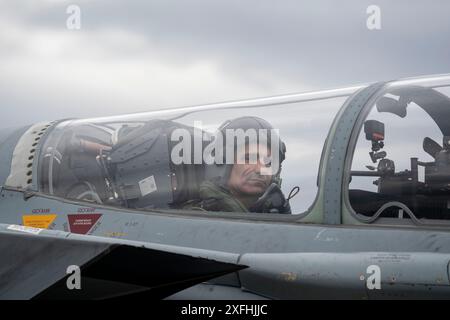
[(139, 55)]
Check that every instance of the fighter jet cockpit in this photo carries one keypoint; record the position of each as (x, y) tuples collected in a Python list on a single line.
[(168, 160), (401, 163), (137, 165), (397, 161)]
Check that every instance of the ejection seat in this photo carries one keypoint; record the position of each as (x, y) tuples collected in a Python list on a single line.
[(71, 169)]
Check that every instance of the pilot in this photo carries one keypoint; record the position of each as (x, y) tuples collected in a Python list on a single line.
[(243, 186)]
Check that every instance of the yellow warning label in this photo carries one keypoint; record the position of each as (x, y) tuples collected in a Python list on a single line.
[(39, 221)]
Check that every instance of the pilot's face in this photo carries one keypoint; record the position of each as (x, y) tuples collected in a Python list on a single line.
[(246, 177)]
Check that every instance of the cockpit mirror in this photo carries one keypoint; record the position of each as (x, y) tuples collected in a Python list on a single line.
[(386, 104), (374, 130)]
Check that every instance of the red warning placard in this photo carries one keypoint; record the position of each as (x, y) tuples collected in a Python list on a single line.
[(82, 223)]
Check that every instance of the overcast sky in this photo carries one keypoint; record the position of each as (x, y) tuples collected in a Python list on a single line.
[(134, 55)]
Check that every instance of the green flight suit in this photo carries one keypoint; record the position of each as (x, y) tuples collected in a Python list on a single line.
[(214, 197)]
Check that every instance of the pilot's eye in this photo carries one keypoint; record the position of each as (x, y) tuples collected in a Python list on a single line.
[(266, 161)]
